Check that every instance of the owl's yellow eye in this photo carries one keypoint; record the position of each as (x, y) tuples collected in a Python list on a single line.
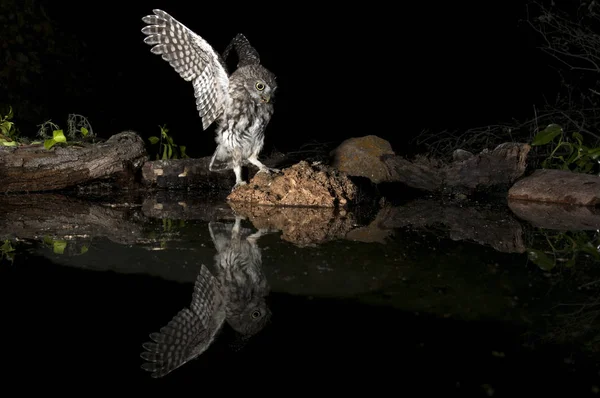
[(256, 314), (260, 86)]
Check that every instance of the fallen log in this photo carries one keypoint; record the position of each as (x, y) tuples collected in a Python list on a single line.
[(497, 169), (373, 158), (33, 168)]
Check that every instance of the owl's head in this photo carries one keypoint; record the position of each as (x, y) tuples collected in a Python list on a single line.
[(251, 319), (260, 83)]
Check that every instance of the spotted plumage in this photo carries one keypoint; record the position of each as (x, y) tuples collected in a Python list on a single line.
[(234, 293), (240, 104)]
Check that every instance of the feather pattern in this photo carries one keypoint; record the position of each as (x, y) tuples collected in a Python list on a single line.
[(193, 58), (190, 332)]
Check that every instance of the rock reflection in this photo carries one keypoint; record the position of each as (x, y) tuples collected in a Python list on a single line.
[(234, 292), (303, 226)]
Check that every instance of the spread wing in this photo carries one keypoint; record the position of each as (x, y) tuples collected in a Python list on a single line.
[(190, 332), (193, 58)]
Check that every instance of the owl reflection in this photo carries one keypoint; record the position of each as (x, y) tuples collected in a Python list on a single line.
[(234, 292)]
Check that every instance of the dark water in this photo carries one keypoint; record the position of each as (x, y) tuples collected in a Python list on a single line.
[(355, 302)]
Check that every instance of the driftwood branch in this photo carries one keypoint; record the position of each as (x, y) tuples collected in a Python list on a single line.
[(497, 168), (33, 168)]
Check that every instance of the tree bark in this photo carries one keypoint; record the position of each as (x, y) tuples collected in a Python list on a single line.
[(33, 168), (498, 168)]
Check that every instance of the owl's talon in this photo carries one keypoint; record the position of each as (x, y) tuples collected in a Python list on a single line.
[(268, 170), (238, 184)]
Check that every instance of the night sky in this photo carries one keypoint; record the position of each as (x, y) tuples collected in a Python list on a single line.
[(343, 71)]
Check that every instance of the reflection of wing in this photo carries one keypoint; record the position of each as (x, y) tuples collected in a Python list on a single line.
[(190, 332)]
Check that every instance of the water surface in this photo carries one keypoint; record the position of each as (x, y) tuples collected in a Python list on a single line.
[(419, 297)]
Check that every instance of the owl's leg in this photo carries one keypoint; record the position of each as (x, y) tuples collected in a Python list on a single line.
[(261, 167), (237, 169), (261, 232)]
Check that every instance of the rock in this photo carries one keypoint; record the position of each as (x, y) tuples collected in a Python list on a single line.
[(556, 216), (460, 155), (299, 185), (362, 157), (558, 186)]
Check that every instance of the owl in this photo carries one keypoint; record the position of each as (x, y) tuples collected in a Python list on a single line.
[(238, 266), (235, 293), (240, 104)]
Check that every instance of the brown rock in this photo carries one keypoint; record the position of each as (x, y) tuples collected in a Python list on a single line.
[(558, 186), (362, 157), (299, 185)]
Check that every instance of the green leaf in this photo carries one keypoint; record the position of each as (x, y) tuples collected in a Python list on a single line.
[(594, 153), (59, 136), (10, 113), (588, 248), (8, 143), (164, 156), (547, 135), (578, 137), (6, 127), (540, 259), (182, 151), (84, 249), (49, 143), (84, 131), (59, 246), (6, 247), (153, 140), (169, 151)]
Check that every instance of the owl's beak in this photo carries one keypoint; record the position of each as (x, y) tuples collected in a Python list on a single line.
[(265, 98)]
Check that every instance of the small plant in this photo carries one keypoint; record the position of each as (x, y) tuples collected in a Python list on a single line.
[(7, 251), (565, 248), (78, 128), (568, 154), (8, 132), (167, 146), (58, 246)]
